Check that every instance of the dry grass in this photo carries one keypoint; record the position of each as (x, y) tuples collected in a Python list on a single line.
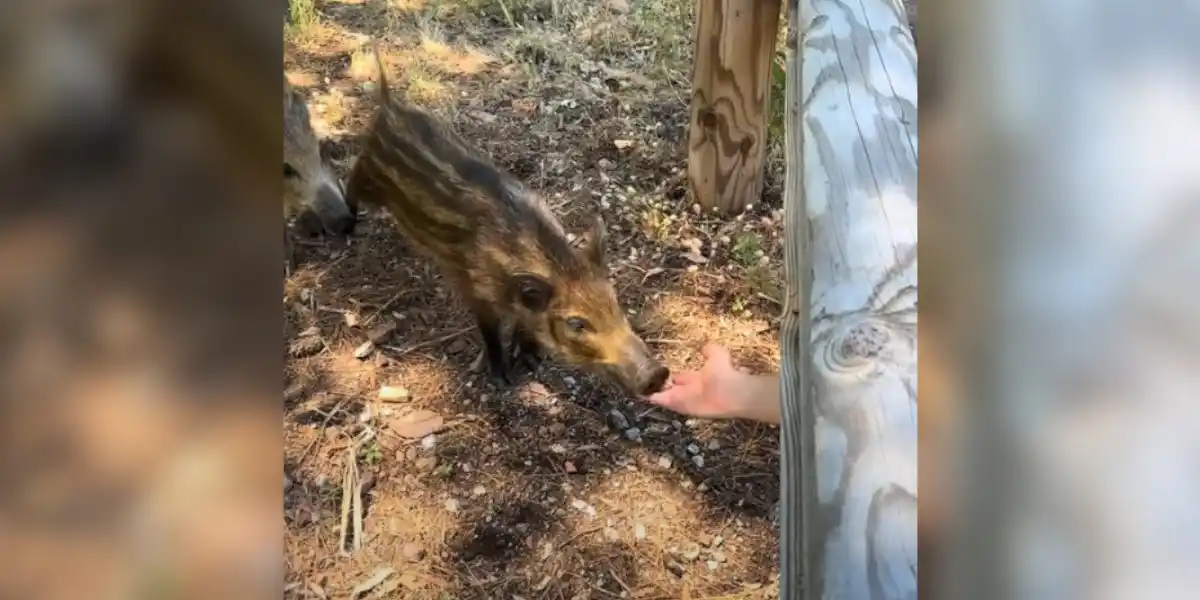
[(535, 492)]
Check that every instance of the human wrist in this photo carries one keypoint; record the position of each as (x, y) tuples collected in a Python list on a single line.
[(755, 397)]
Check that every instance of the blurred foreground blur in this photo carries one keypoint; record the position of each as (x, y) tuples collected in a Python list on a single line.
[(1061, 335), (139, 273)]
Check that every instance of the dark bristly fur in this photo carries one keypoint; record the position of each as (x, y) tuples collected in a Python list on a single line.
[(499, 246)]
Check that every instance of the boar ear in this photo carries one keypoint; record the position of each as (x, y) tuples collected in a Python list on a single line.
[(531, 291), (594, 240)]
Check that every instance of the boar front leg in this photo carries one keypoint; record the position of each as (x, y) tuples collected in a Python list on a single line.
[(492, 357)]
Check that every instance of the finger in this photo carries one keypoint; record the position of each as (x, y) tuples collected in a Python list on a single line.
[(676, 395), (670, 398)]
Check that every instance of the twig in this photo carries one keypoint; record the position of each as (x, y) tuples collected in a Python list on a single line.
[(666, 342), (768, 298), (351, 503), (427, 343), (623, 585), (321, 433), (385, 306), (507, 15), (579, 535)]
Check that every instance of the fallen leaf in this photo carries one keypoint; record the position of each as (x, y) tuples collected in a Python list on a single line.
[(525, 106), (417, 424), (372, 582)]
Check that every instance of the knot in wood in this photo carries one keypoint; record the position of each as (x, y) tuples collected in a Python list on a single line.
[(864, 341)]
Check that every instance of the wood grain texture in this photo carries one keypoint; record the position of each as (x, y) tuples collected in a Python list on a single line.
[(849, 527), (731, 96)]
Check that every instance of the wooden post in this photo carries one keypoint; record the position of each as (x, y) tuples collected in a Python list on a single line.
[(849, 377), (731, 98), (1082, 421)]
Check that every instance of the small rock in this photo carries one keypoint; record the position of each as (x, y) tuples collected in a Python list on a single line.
[(664, 461), (570, 381), (412, 552), (389, 393), (639, 531), (703, 487), (693, 449), (618, 419), (306, 346), (484, 117), (622, 144), (718, 556), (714, 445), (351, 319), (606, 164), (452, 505), (569, 467), (712, 565), (429, 441), (382, 332), (691, 553), (675, 568), (618, 6), (417, 424), (456, 346), (365, 350), (698, 460), (479, 490), (633, 434), (558, 449)]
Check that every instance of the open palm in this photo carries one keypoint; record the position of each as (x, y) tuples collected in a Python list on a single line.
[(710, 392)]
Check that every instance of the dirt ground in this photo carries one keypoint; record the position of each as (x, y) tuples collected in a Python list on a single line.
[(562, 488)]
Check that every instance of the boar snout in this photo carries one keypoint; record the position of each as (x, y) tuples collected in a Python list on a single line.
[(656, 380), (639, 372), (335, 214)]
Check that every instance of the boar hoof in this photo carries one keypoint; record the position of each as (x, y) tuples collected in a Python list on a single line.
[(497, 369)]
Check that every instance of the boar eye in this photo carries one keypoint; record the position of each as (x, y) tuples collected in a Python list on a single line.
[(578, 325), (290, 172)]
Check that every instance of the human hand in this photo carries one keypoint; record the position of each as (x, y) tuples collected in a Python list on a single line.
[(715, 391)]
